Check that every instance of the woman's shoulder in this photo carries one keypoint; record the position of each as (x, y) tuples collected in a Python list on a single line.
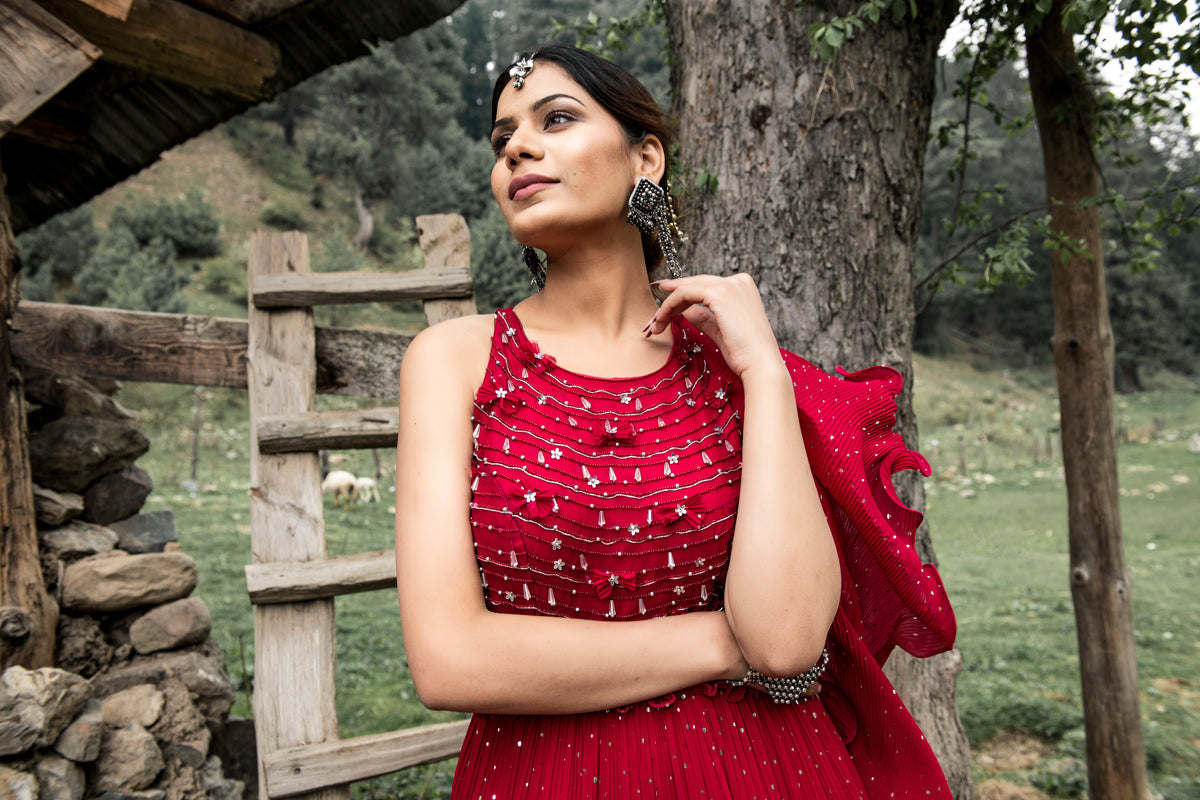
[(456, 347)]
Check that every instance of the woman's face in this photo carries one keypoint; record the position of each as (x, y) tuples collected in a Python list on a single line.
[(563, 164)]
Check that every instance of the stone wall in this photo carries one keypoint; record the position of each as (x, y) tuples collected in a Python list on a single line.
[(137, 705)]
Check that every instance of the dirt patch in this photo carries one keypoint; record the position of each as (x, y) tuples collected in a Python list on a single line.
[(1003, 790), (1011, 752)]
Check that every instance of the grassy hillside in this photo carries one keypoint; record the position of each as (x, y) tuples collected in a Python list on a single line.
[(996, 504)]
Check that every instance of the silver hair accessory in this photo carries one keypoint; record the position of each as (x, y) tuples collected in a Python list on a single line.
[(520, 70), (650, 211), (534, 264), (786, 690)]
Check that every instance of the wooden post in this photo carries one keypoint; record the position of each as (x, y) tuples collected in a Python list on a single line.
[(197, 396), (962, 457), (446, 242), (295, 647), (29, 614)]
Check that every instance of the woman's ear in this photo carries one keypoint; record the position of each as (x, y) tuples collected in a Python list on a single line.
[(651, 158)]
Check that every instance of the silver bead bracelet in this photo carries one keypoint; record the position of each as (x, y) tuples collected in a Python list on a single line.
[(785, 690)]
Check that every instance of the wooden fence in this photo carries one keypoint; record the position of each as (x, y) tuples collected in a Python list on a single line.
[(284, 360)]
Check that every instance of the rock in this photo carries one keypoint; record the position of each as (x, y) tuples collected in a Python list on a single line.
[(59, 779), (77, 539), (121, 582), (80, 741), (129, 760), (74, 397), (216, 786), (146, 533), (1193, 444), (71, 452), (147, 794), (171, 626), (201, 669), (117, 495), (15, 625), (81, 646), (182, 728), (15, 785), (236, 745), (55, 508), (142, 704), (43, 701)]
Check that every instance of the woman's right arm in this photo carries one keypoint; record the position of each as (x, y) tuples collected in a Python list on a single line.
[(463, 656)]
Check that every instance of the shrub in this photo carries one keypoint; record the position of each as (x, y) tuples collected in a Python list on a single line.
[(188, 223), (284, 217)]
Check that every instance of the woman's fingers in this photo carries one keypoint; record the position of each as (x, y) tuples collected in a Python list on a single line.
[(727, 309)]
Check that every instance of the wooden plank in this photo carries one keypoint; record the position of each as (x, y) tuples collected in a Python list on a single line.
[(39, 55), (349, 429), (176, 42), (300, 769), (336, 288), (294, 644), (191, 350), (445, 240), (294, 582), (248, 12), (117, 9), (131, 345)]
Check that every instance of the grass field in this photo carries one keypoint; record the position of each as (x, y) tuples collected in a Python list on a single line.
[(1000, 536)]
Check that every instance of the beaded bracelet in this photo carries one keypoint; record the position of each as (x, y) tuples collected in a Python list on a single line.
[(785, 690)]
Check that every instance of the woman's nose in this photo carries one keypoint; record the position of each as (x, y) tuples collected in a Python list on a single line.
[(522, 144)]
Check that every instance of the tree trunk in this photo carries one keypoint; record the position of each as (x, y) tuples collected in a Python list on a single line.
[(1065, 108), (819, 173), (366, 222), (29, 614)]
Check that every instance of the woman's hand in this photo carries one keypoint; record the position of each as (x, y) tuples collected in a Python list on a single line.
[(728, 310)]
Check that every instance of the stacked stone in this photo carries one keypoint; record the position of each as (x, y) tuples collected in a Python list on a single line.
[(138, 702)]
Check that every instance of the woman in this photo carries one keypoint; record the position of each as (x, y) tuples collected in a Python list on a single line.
[(655, 552)]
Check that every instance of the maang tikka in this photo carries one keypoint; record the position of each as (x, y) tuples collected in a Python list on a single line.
[(519, 71), (650, 211)]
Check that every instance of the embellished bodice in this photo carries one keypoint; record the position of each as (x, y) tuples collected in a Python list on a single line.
[(604, 498)]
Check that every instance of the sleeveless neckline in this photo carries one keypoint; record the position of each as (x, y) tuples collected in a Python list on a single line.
[(530, 346)]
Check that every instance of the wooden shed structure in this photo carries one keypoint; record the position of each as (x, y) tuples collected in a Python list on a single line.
[(93, 91)]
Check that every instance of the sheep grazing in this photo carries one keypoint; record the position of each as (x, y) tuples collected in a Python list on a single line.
[(340, 484), (366, 490)]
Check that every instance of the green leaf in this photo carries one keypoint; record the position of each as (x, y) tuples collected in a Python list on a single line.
[(835, 36)]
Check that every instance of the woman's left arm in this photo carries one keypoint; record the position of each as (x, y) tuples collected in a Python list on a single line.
[(784, 580)]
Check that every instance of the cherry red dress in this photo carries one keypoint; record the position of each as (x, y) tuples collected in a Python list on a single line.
[(614, 499)]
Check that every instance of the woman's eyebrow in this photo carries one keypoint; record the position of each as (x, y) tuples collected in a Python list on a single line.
[(550, 98)]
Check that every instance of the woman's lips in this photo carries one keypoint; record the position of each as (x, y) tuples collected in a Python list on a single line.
[(526, 185)]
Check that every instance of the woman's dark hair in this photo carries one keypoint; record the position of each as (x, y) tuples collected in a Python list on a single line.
[(618, 93)]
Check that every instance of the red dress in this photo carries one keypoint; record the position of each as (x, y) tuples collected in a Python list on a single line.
[(599, 498)]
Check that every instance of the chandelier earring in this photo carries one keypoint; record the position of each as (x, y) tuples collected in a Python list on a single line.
[(535, 267), (651, 211)]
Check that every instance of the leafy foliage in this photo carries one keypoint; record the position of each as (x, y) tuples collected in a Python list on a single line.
[(188, 223)]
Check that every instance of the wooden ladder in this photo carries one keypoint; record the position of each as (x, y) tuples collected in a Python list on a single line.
[(292, 581)]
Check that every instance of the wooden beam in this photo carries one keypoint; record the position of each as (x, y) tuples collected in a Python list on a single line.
[(350, 429), (39, 55), (191, 350), (300, 581), (178, 43), (295, 770), (248, 12), (117, 9), (337, 288)]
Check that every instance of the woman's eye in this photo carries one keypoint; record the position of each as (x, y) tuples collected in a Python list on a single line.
[(499, 143)]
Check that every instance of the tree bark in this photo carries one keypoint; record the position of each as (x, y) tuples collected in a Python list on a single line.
[(1065, 109), (819, 171), (366, 221), (31, 614)]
